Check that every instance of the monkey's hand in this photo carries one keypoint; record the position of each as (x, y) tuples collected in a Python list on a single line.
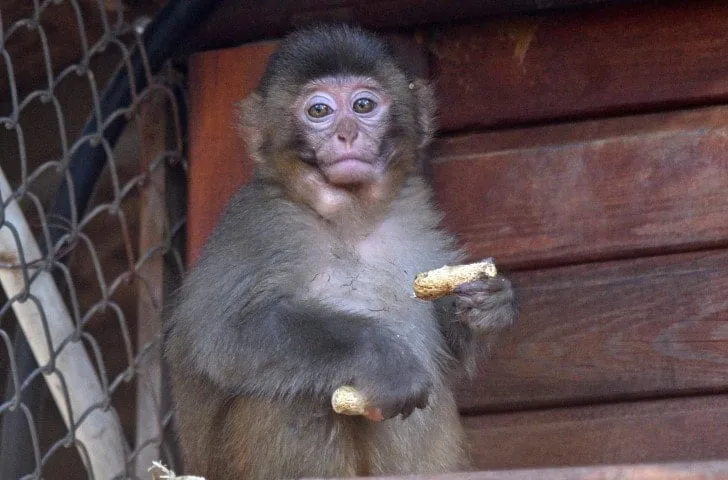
[(484, 300), (486, 305), (393, 382)]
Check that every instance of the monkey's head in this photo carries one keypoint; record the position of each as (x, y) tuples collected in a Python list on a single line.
[(335, 110)]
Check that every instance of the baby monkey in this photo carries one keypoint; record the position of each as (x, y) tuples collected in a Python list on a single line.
[(306, 283)]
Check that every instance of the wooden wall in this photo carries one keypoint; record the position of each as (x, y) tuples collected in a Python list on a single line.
[(587, 150)]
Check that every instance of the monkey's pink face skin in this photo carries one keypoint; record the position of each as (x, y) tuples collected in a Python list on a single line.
[(344, 120)]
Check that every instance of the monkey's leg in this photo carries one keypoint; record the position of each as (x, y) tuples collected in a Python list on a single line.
[(429, 441), (258, 439), (197, 404), (264, 439)]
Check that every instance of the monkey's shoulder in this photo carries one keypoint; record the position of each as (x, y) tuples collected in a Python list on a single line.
[(258, 209)]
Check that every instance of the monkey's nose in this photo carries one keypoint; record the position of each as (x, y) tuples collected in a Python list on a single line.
[(347, 138), (347, 132)]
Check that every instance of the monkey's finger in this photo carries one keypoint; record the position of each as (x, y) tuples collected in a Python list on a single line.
[(406, 407), (417, 404), (470, 288), (407, 412), (488, 286), (374, 414)]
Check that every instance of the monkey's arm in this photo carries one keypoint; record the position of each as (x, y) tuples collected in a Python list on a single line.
[(283, 347)]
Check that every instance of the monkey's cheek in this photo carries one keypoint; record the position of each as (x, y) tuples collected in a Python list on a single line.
[(349, 171)]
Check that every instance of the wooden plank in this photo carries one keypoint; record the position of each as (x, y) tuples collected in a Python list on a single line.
[(715, 470), (153, 130), (235, 22), (678, 430), (218, 162), (588, 191), (599, 61), (642, 328)]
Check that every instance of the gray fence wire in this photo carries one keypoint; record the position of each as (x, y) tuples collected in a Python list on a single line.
[(107, 274)]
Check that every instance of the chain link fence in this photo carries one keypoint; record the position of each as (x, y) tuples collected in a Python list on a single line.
[(87, 254)]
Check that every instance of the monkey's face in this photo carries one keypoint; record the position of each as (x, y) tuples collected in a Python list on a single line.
[(343, 121)]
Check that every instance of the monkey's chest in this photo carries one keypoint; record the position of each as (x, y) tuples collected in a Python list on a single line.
[(374, 279), (361, 288)]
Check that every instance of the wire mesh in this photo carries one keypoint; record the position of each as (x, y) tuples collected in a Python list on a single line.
[(111, 264)]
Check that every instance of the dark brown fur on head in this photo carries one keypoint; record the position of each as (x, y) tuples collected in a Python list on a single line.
[(325, 51)]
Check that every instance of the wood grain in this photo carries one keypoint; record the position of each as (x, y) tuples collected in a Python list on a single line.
[(588, 191), (644, 432), (234, 22), (715, 470), (642, 328), (599, 61), (155, 140), (218, 162)]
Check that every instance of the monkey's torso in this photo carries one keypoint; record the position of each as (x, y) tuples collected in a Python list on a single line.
[(252, 254)]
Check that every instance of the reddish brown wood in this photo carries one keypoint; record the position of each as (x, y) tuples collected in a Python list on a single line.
[(588, 191), (651, 432), (582, 63), (715, 470), (642, 328), (218, 162), (234, 22)]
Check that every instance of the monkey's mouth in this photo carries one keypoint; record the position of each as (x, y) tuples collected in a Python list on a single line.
[(349, 170)]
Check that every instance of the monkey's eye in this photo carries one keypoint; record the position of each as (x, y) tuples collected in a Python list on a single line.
[(319, 110), (364, 105)]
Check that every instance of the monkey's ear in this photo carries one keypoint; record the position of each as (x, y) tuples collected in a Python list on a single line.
[(426, 108), (249, 124)]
